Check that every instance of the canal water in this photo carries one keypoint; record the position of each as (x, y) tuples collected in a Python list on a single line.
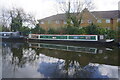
[(46, 60)]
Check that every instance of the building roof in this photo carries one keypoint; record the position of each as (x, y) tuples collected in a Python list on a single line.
[(106, 14), (98, 14), (54, 17)]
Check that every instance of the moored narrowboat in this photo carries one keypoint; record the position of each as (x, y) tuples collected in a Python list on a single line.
[(11, 36), (77, 38)]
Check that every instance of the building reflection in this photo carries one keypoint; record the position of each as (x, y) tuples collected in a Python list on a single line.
[(59, 61)]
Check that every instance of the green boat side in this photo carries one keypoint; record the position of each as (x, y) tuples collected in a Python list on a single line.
[(64, 37)]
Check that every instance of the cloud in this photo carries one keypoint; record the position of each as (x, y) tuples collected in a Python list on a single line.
[(45, 8), (103, 5), (40, 8)]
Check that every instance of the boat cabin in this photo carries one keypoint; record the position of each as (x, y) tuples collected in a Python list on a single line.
[(10, 34)]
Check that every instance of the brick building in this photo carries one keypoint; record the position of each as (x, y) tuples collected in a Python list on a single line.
[(105, 19)]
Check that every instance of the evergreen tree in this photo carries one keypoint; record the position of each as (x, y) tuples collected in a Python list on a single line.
[(16, 23), (38, 30)]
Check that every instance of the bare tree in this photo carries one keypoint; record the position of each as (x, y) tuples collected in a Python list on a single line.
[(73, 10), (27, 18), (7, 17), (4, 18)]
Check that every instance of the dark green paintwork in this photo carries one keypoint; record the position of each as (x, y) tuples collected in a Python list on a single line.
[(53, 37), (83, 37), (69, 37)]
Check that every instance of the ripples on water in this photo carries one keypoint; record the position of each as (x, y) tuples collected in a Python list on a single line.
[(42, 60)]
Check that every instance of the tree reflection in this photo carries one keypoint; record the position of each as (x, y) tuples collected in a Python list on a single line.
[(20, 56), (58, 63)]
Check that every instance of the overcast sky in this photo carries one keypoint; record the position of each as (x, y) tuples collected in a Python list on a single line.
[(45, 8)]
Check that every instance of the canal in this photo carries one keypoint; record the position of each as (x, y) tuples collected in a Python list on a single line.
[(46, 60)]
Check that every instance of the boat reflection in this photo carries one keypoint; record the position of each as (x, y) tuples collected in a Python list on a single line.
[(64, 47), (11, 44)]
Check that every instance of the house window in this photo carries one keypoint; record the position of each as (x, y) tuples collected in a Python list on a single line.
[(57, 22), (41, 22), (65, 22), (118, 20), (107, 20), (49, 22), (99, 21), (89, 21)]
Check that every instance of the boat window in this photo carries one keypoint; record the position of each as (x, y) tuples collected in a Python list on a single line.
[(87, 37), (5, 34), (34, 36)]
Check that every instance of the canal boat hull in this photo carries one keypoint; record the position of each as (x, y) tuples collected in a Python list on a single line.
[(72, 39), (12, 36), (14, 39), (69, 42), (91, 38)]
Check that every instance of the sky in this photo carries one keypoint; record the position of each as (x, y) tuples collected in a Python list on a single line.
[(44, 8)]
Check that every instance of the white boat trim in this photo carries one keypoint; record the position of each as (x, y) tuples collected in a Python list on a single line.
[(109, 40)]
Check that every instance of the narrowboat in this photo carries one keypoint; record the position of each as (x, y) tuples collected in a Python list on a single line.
[(75, 38), (11, 36)]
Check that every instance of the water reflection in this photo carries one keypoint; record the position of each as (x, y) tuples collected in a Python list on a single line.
[(40, 60), (84, 55), (56, 68)]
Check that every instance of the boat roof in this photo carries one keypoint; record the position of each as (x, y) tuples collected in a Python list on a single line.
[(7, 32), (65, 34)]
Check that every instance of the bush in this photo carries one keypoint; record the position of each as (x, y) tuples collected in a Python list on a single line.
[(71, 30), (101, 31), (38, 30), (111, 34), (92, 29), (82, 30), (52, 31), (42, 31), (25, 30), (4, 29)]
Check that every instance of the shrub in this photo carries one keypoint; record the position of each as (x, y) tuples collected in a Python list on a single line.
[(71, 30), (52, 31), (111, 34), (25, 30), (92, 29), (38, 30)]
